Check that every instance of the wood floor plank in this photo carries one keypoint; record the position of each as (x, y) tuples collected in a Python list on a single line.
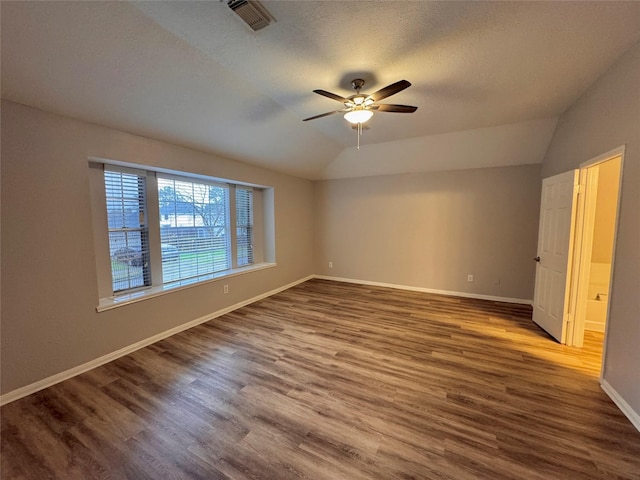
[(332, 380)]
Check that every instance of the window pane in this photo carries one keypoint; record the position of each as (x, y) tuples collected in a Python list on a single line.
[(194, 229), (128, 239), (244, 225)]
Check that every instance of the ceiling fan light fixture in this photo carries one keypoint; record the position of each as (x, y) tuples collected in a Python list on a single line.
[(358, 116)]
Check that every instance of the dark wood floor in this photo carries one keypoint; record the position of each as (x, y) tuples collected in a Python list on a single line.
[(334, 381)]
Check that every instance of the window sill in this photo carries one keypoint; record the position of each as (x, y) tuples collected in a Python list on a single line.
[(151, 292)]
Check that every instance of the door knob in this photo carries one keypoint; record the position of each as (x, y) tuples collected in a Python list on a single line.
[(537, 259)]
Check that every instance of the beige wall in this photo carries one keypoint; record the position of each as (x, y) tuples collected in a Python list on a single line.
[(605, 117), (430, 230), (49, 287), (606, 209)]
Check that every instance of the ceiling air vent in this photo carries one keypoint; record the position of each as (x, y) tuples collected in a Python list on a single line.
[(253, 14)]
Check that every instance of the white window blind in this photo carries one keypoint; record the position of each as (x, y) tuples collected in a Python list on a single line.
[(194, 228), (128, 233), (169, 230), (244, 225)]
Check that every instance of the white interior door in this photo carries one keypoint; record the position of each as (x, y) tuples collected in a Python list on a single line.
[(555, 242)]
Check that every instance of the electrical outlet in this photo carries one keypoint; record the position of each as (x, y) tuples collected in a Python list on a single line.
[(469, 278), (225, 289), (330, 264)]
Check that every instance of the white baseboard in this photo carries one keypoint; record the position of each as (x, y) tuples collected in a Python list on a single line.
[(72, 372), (428, 290), (594, 326), (629, 412)]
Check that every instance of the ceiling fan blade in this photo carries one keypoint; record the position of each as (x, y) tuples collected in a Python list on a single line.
[(389, 90), (393, 108), (325, 114), (333, 96)]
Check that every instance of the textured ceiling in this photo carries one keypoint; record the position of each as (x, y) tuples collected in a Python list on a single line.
[(193, 74)]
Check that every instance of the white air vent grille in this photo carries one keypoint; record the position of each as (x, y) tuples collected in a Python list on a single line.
[(253, 14)]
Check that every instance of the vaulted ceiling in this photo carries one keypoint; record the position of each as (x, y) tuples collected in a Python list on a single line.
[(489, 78)]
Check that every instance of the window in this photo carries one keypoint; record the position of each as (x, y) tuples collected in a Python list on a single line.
[(128, 233), (244, 225), (167, 231), (194, 232)]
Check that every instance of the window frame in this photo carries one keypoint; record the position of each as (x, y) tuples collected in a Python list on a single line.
[(142, 229), (227, 206), (249, 225), (262, 211)]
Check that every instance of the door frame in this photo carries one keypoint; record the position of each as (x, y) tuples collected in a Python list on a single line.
[(585, 221)]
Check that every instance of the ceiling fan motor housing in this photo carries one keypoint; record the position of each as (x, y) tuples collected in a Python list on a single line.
[(357, 84)]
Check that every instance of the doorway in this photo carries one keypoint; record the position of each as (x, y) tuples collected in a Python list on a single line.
[(594, 248)]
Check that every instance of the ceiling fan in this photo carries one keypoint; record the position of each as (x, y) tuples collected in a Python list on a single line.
[(359, 108)]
